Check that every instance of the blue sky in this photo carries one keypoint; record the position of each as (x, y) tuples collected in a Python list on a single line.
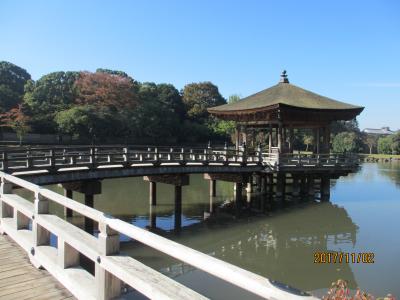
[(346, 50)]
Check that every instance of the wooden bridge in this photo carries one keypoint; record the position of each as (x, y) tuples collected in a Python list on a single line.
[(31, 225), (54, 165)]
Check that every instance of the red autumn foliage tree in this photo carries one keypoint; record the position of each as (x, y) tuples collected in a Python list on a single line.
[(104, 90), (16, 120)]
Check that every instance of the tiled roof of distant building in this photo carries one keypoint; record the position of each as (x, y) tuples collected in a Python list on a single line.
[(383, 130)]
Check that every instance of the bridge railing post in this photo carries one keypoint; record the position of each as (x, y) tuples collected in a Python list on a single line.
[(156, 156), (125, 156), (40, 235), (92, 158), (6, 211), (107, 285), (244, 154), (259, 154), (5, 161), (226, 160), (29, 159), (52, 159)]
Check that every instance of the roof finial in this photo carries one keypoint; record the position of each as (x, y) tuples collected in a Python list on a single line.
[(284, 78)]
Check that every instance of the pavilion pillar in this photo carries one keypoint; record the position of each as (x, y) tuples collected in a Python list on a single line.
[(253, 138), (237, 135), (291, 139), (279, 136), (317, 140), (270, 138), (327, 139), (245, 135)]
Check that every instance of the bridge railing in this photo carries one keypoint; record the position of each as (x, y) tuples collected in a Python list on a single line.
[(93, 157), (31, 225)]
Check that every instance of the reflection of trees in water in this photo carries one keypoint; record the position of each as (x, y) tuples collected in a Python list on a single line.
[(391, 171), (280, 247)]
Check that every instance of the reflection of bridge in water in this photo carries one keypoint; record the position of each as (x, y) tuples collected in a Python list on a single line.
[(280, 247)]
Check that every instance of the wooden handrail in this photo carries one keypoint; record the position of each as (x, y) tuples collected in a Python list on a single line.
[(111, 268)]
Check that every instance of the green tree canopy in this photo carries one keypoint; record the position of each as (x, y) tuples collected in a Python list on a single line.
[(12, 82), (50, 94), (389, 144), (346, 142), (200, 96)]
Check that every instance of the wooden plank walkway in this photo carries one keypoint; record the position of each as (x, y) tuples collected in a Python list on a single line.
[(19, 279)]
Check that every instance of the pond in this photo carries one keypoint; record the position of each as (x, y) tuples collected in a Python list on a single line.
[(361, 217)]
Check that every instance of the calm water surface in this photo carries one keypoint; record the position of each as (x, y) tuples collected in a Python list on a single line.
[(362, 216)]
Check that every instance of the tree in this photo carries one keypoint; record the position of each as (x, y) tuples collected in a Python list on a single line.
[(113, 72), (222, 128), (47, 96), (172, 99), (389, 144), (345, 126), (104, 90), (308, 140), (346, 142), (197, 97), (16, 120), (371, 141), (12, 81)]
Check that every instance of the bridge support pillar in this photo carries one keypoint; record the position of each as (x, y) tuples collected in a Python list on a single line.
[(178, 207), (295, 187), (89, 188), (89, 223), (178, 180), (249, 188), (310, 186), (67, 211), (213, 188), (152, 217), (263, 183), (153, 193), (238, 194), (258, 182), (280, 186), (325, 188), (303, 186)]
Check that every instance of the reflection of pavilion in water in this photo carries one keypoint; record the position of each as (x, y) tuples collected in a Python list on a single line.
[(280, 247)]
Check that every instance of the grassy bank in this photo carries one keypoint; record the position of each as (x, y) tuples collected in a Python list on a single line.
[(381, 156)]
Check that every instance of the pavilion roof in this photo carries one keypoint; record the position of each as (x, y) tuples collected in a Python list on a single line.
[(283, 93)]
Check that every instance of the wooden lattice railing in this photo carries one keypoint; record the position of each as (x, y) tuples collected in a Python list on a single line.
[(92, 157)]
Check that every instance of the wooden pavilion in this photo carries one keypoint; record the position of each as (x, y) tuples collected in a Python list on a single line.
[(282, 108)]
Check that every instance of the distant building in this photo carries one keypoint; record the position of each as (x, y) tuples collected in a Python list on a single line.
[(381, 131)]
